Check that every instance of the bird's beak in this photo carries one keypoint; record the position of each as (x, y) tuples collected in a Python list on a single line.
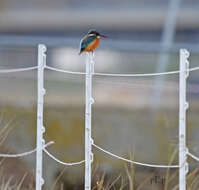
[(102, 36)]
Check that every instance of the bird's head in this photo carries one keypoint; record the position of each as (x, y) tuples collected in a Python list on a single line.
[(95, 33)]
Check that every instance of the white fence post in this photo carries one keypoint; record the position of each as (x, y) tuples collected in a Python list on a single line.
[(88, 115), (40, 128), (184, 72)]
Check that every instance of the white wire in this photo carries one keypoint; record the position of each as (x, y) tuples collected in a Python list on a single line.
[(193, 69), (134, 162), (136, 75), (17, 70), (18, 155), (96, 74), (194, 157), (109, 74), (24, 153), (64, 71), (63, 163), (120, 75)]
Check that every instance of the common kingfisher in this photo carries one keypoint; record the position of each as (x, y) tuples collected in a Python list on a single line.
[(91, 41)]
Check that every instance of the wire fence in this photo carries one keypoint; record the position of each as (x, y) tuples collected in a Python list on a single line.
[(95, 73), (63, 163), (134, 162), (89, 101), (25, 153), (18, 70)]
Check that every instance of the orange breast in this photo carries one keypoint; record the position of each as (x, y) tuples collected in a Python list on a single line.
[(93, 45)]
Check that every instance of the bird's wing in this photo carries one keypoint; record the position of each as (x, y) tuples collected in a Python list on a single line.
[(85, 41)]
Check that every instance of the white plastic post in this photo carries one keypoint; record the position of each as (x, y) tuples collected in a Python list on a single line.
[(40, 128), (183, 106), (88, 115)]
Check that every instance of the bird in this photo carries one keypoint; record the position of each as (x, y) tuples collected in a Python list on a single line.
[(91, 41)]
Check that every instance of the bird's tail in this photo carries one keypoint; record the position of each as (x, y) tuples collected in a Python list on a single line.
[(80, 52)]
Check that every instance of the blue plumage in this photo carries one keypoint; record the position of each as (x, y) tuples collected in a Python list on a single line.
[(85, 42)]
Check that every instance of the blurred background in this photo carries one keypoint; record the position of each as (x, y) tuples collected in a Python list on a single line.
[(131, 116)]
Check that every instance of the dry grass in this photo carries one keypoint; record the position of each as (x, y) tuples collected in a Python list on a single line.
[(128, 181), (21, 178), (125, 180), (11, 184)]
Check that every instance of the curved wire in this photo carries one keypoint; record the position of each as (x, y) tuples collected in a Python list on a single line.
[(134, 162), (64, 71), (194, 157), (120, 75), (96, 74), (63, 163), (136, 75), (193, 69), (110, 74), (17, 70), (24, 153)]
